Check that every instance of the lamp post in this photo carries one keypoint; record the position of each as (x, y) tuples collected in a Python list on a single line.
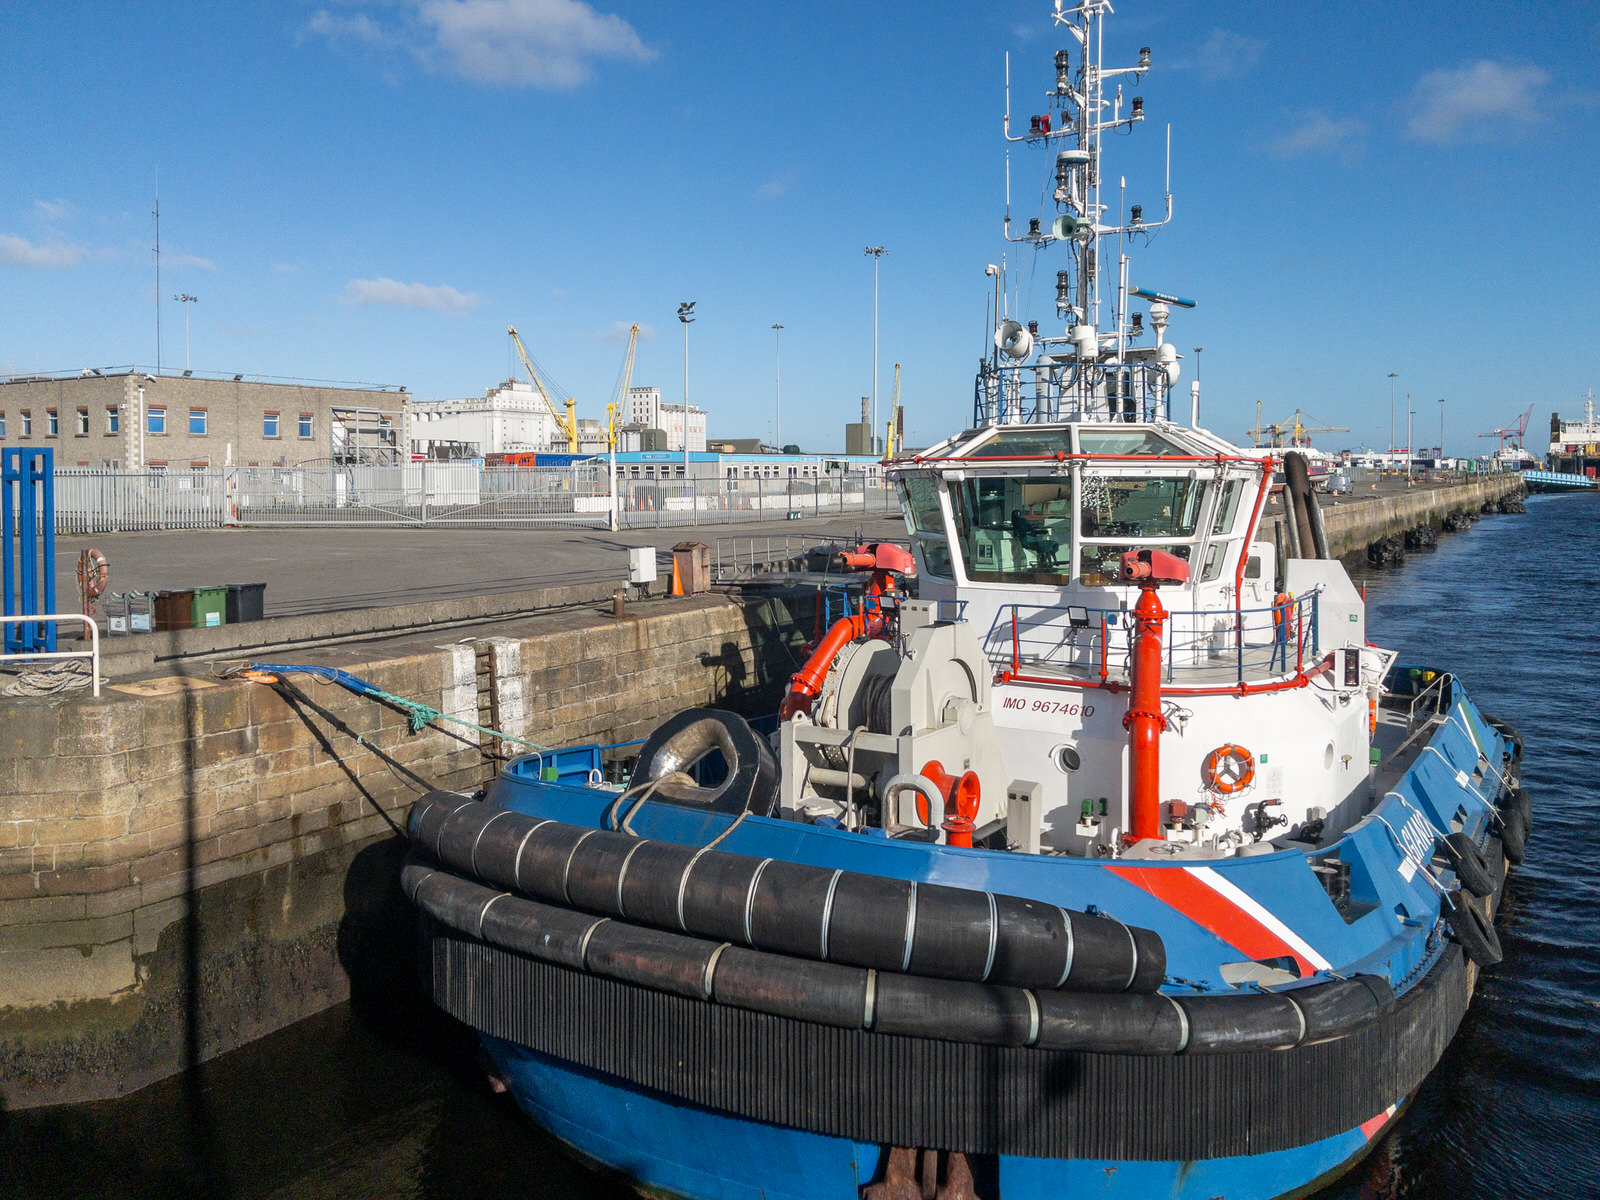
[(1441, 432), (684, 310), (1410, 412), (777, 388), (1392, 377), (185, 299), (875, 253)]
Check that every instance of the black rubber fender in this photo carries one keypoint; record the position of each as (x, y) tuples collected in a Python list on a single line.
[(1126, 1024), (853, 918), (1508, 731), (894, 1004), (681, 741), (1521, 804), (1467, 861), (914, 1006), (1227, 1024), (1472, 929), (1513, 833), (1341, 1006)]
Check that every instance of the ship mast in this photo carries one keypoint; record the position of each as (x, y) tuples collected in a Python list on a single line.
[(1083, 372)]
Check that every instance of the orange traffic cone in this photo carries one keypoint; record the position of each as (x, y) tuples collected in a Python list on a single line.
[(677, 583)]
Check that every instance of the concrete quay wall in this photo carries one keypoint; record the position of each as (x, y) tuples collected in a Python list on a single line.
[(190, 863), (1354, 521)]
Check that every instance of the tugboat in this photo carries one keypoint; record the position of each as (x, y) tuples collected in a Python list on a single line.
[(1113, 861)]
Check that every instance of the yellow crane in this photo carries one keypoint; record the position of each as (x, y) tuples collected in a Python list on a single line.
[(1297, 432), (617, 405), (566, 424), (896, 431)]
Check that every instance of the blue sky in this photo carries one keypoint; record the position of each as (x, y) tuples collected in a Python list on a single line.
[(374, 191)]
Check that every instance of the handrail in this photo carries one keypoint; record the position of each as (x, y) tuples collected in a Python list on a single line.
[(1282, 652), (92, 654)]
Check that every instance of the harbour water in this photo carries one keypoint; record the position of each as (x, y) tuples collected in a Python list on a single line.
[(382, 1099)]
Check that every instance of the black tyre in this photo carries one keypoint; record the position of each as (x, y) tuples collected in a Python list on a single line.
[(1467, 861), (1521, 804), (1513, 835), (1508, 731), (1472, 929)]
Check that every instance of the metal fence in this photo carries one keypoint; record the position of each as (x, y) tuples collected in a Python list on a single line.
[(430, 493)]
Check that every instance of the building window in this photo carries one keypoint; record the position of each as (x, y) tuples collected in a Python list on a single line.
[(269, 425), (157, 468), (27, 423), (305, 425), (83, 423), (156, 420), (113, 419), (53, 423), (111, 464), (197, 422), (201, 464)]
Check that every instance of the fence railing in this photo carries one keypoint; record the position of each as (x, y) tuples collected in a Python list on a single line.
[(1093, 647), (441, 493)]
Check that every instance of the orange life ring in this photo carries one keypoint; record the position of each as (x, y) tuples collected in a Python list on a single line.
[(1229, 769), (1281, 604), (93, 573)]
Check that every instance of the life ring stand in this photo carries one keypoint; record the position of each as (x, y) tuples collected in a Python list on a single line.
[(1229, 769), (94, 572)]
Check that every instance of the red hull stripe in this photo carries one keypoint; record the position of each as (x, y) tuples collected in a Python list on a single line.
[(1210, 910)]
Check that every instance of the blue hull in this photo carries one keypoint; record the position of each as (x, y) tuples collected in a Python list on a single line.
[(679, 1145), (668, 1146)]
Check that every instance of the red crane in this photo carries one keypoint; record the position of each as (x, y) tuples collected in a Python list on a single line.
[(1513, 432)]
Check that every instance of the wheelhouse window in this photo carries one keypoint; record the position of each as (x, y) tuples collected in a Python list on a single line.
[(919, 503), (1015, 529), (1119, 513)]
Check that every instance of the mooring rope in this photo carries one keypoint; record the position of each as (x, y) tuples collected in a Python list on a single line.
[(418, 714)]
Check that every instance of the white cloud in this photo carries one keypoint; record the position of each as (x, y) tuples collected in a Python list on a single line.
[(190, 260), (286, 268), (1318, 133), (618, 333), (1225, 54), (548, 44), (19, 252), (779, 185), (359, 28), (366, 292), (1474, 102), (54, 211)]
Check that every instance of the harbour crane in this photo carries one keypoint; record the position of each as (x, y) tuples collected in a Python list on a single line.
[(616, 406), (1295, 430), (1514, 432), (566, 425), (897, 432)]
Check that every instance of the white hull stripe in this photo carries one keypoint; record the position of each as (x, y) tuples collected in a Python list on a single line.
[(1218, 883)]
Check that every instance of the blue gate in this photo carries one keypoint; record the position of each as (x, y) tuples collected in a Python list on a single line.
[(28, 517)]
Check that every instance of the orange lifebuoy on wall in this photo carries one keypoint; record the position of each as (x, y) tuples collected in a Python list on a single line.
[(93, 573), (1229, 769)]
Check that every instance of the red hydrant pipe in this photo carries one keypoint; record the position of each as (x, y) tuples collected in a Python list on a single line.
[(1144, 721)]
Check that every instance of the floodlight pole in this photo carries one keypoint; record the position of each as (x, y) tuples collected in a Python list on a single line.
[(684, 311), (876, 253), (777, 388), (186, 299)]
